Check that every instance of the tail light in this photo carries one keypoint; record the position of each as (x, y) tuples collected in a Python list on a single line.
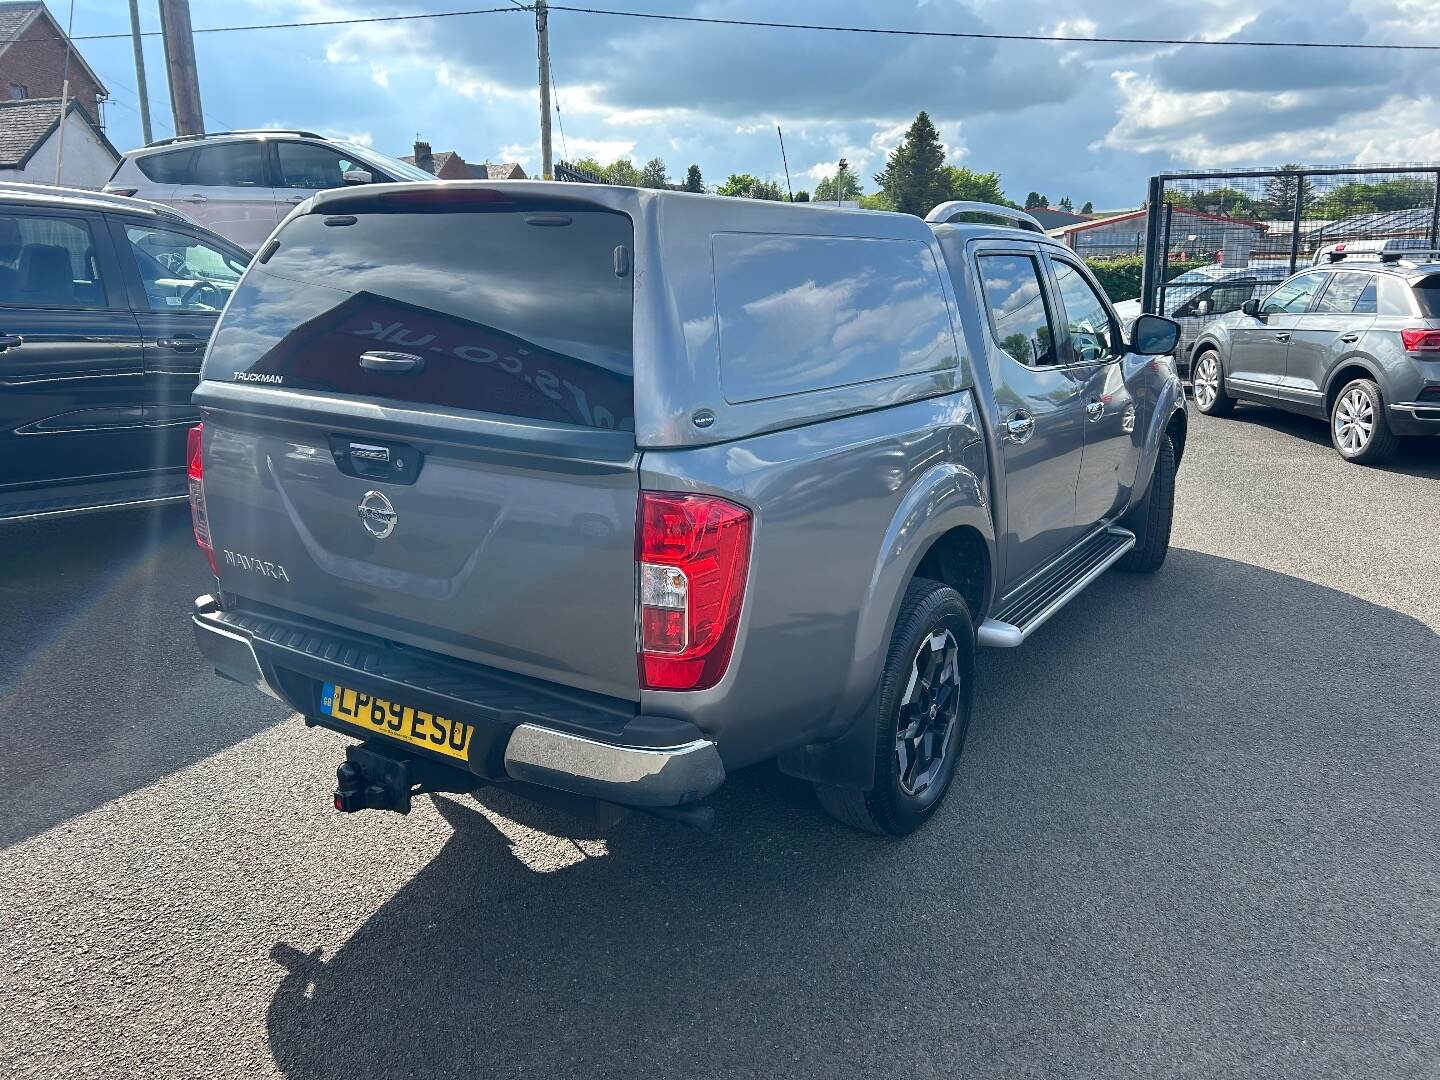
[(127, 191), (693, 553), (195, 467), (1421, 340)]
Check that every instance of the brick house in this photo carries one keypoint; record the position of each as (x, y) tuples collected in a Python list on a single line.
[(449, 165), (33, 49)]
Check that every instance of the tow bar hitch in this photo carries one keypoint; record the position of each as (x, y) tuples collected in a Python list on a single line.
[(378, 778)]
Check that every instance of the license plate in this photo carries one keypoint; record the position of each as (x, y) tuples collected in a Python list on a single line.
[(403, 722)]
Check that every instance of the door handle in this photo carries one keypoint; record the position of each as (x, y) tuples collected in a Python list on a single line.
[(10, 341), (1282, 337), (182, 343), (1094, 409), (195, 197), (392, 363), (1019, 426), (1349, 339), (297, 198)]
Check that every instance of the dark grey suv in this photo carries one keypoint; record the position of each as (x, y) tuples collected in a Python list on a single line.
[(1355, 342), (604, 493)]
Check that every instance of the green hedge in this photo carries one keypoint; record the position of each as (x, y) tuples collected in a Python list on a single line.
[(1120, 276)]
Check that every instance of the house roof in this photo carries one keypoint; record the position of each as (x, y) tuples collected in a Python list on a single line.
[(17, 17), (1051, 217), (1185, 210), (26, 124), (510, 170)]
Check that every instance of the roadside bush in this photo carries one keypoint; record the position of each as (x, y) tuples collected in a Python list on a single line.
[(1120, 276)]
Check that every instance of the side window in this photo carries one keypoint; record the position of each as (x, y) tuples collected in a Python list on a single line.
[(181, 273), (48, 262), (167, 168), (1348, 294), (1393, 297), (1016, 302), (305, 165), (1092, 335), (1293, 297), (229, 165)]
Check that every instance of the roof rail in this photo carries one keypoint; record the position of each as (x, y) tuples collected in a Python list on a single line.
[(948, 211), (237, 131)]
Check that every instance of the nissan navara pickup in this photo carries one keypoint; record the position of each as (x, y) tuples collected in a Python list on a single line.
[(603, 493)]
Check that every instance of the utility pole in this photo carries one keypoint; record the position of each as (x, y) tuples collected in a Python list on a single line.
[(140, 71), (542, 34), (64, 94), (840, 181), (180, 67), (786, 162)]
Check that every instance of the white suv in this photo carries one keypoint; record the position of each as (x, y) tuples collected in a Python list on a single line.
[(241, 184)]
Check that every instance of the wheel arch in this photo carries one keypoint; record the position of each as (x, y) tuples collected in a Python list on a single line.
[(1346, 372)]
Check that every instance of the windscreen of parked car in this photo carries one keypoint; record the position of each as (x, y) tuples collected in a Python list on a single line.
[(509, 310)]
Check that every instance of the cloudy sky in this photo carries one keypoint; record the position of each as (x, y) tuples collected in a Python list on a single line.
[(1091, 121)]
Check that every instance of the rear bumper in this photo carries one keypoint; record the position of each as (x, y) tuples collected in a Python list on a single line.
[(520, 734), (1414, 417)]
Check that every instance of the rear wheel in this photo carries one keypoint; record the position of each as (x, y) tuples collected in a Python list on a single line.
[(1151, 519), (1208, 379), (926, 692), (1358, 429)]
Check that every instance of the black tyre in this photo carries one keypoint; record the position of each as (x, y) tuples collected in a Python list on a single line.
[(1207, 377), (1358, 428), (926, 694), (1151, 518)]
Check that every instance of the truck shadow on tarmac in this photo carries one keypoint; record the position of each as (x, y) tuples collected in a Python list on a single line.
[(1185, 799)]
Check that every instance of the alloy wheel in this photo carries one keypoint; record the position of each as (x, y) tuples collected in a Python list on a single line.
[(1354, 420), (1207, 381), (929, 712)]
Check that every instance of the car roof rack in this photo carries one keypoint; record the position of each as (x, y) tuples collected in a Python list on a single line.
[(948, 211), (237, 131)]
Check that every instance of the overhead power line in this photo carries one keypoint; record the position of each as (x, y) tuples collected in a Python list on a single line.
[(1073, 39), (1076, 39)]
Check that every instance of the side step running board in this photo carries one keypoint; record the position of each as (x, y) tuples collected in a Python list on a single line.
[(1054, 587)]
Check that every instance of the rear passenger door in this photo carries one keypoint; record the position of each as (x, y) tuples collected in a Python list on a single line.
[(1039, 406), (1340, 317), (228, 190), (178, 280), (304, 168), (71, 383)]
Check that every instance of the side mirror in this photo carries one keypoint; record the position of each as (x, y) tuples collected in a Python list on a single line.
[(1154, 335), (1252, 308), (357, 176), (1202, 307)]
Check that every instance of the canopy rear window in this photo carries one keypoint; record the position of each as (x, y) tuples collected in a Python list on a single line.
[(526, 312)]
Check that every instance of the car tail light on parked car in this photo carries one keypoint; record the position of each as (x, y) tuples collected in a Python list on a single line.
[(126, 191), (693, 553), (195, 467), (1421, 340)]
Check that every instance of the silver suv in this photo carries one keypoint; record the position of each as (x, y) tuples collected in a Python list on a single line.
[(1355, 342), (603, 493), (241, 184)]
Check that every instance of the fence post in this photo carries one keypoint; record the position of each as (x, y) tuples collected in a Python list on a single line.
[(1435, 214), (1152, 236), (1299, 213)]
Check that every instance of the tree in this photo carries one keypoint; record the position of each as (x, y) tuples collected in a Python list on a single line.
[(1088, 208), (590, 165), (693, 181), (843, 186), (745, 186), (1035, 200), (802, 196), (914, 176), (1281, 192), (1066, 204), (877, 201), (623, 171), (768, 190), (654, 174), (961, 183)]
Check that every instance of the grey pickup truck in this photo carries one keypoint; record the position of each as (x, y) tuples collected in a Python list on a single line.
[(603, 493)]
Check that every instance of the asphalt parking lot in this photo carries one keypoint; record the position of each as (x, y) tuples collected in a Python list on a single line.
[(1194, 835)]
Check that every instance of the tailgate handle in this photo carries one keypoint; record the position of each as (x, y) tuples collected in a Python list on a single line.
[(392, 363)]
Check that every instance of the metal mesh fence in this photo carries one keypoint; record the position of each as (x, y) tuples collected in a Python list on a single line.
[(1214, 240)]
